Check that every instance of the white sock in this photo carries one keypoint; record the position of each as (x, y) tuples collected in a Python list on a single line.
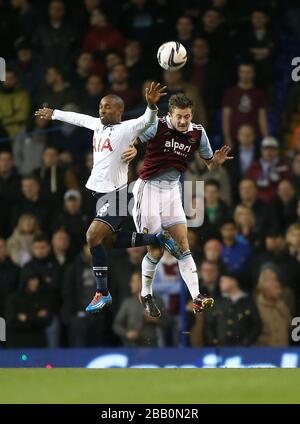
[(188, 271), (149, 265)]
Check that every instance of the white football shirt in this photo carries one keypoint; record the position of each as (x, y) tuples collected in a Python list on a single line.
[(109, 142)]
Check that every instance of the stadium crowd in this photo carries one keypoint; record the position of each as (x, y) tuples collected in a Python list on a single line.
[(67, 55)]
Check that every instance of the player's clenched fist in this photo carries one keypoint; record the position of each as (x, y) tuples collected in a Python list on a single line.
[(44, 113)]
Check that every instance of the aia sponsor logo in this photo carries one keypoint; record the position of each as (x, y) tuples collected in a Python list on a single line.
[(102, 145)]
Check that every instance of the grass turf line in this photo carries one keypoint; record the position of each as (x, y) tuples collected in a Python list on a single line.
[(109, 386)]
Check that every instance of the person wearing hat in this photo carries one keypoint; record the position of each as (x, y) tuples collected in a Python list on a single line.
[(268, 170)]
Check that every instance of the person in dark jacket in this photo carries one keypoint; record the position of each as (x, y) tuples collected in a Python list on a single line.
[(83, 329), (9, 276), (10, 191), (234, 321), (27, 314)]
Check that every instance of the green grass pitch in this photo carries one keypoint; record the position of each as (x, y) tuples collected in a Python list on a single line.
[(148, 386)]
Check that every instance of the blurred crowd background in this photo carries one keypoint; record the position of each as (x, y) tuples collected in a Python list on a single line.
[(67, 55)]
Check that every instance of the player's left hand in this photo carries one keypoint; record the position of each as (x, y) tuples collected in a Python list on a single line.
[(129, 154), (154, 93), (221, 156)]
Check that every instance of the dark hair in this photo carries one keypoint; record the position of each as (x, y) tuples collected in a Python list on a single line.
[(180, 101), (41, 238), (212, 182), (117, 99), (30, 177), (228, 221)]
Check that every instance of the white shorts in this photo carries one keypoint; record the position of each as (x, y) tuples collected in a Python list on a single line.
[(157, 205)]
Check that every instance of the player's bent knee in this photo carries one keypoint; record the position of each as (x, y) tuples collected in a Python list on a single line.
[(183, 244), (155, 252), (93, 237)]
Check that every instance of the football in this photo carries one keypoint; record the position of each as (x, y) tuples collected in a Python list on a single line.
[(172, 56)]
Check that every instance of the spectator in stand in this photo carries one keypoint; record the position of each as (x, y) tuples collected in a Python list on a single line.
[(55, 41), (212, 29), (274, 312), (85, 67), (198, 170), (60, 244), (176, 84), (246, 225), (54, 179), (215, 212), (209, 275), (25, 16), (31, 202), (44, 264), (9, 192), (112, 58), (276, 254), (120, 275), (243, 156), (83, 329), (293, 241), (133, 326), (102, 36), (94, 91), (234, 320), (120, 86), (248, 195), (20, 242), (284, 206), (235, 254), (244, 104), (206, 76), (28, 313), (258, 45), (268, 170), (73, 220), (29, 146), (14, 105), (136, 64), (58, 92), (29, 71), (9, 276), (185, 32), (296, 172), (139, 20), (212, 252)]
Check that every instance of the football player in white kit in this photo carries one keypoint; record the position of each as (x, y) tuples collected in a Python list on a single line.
[(172, 142), (108, 181)]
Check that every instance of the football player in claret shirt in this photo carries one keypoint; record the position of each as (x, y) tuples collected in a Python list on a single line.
[(108, 181), (172, 142)]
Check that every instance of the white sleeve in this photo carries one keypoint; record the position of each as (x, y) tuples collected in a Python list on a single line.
[(76, 119), (141, 124), (205, 147)]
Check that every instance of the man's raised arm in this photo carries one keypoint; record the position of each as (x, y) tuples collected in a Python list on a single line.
[(139, 125), (74, 118)]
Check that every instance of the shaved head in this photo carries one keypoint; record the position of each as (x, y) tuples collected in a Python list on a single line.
[(111, 109), (117, 100)]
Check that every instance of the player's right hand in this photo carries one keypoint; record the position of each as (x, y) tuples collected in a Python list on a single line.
[(154, 93), (44, 113)]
